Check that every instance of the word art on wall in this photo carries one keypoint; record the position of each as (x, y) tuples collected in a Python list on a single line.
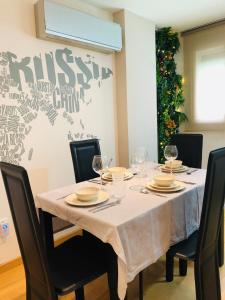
[(53, 84)]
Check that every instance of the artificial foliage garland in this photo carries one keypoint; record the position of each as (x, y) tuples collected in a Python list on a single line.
[(169, 88)]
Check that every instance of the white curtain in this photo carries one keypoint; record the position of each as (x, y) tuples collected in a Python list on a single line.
[(204, 75)]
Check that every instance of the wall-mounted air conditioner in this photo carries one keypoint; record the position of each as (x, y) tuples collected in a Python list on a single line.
[(58, 22)]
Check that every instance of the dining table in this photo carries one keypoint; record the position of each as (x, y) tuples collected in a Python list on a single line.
[(141, 226)]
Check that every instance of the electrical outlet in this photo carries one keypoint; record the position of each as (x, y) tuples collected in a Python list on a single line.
[(4, 227)]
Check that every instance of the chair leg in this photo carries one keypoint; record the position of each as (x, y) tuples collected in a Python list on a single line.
[(28, 293), (182, 267), (221, 242), (79, 293), (169, 268), (207, 280), (141, 286), (126, 297)]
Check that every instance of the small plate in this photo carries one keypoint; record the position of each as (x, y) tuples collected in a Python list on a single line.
[(154, 185), (178, 187), (73, 200), (108, 176), (178, 170)]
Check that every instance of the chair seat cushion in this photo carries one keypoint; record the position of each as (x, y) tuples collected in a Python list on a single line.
[(185, 249), (75, 263)]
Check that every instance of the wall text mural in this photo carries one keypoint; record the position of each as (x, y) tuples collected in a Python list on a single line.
[(53, 84)]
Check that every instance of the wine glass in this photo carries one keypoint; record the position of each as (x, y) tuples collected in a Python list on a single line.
[(134, 164), (140, 156), (170, 153), (100, 164), (118, 185)]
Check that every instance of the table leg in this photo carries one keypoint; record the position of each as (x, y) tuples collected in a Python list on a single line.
[(45, 219), (221, 243), (141, 286), (112, 273)]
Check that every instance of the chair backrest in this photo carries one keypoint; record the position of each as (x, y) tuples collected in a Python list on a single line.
[(189, 147), (213, 203), (82, 155), (21, 202)]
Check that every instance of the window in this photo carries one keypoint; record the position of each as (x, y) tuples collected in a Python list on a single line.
[(204, 74), (209, 99)]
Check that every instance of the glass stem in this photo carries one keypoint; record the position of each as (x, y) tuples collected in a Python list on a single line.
[(101, 173)]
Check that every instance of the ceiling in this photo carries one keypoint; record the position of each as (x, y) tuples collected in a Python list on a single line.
[(179, 14)]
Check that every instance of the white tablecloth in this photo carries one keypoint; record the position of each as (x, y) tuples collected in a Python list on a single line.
[(141, 228)]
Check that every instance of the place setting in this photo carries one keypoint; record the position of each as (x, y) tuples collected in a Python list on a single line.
[(94, 198), (165, 184), (101, 166), (91, 195), (87, 196), (172, 165), (176, 167), (110, 172), (98, 197), (168, 183)]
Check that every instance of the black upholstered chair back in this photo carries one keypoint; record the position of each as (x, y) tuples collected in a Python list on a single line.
[(27, 228), (189, 147), (82, 155), (212, 209), (213, 202)]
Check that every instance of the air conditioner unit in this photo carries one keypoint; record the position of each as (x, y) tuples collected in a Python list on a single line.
[(58, 22)]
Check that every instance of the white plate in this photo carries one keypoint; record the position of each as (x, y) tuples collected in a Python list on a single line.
[(108, 176), (73, 200), (178, 170), (178, 187), (154, 185)]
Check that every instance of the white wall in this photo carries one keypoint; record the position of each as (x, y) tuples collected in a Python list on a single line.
[(46, 147), (141, 84), (136, 82), (47, 156), (211, 141)]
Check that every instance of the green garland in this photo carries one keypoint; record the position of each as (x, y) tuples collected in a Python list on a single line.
[(169, 88)]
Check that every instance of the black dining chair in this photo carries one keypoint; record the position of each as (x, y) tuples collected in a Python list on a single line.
[(62, 270), (201, 246), (190, 152), (189, 146), (82, 155)]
